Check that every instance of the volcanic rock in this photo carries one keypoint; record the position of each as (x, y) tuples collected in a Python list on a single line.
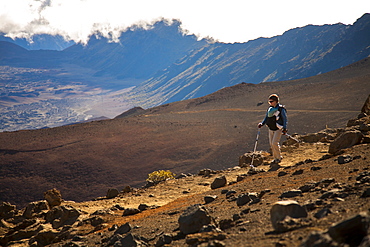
[(7, 210), (62, 215), (112, 193), (345, 140), (35, 208), (351, 231), (281, 209), (219, 182), (193, 219), (53, 197)]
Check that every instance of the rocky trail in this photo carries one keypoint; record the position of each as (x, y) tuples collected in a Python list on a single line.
[(319, 195)]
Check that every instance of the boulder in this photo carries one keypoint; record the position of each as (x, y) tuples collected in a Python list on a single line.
[(282, 209), (345, 140), (219, 182), (366, 107), (127, 189), (209, 199), (112, 193), (45, 237), (193, 219), (163, 239), (351, 231), (123, 229), (62, 215), (314, 137), (53, 197), (318, 239), (246, 159), (243, 199), (35, 208), (130, 240), (131, 211)]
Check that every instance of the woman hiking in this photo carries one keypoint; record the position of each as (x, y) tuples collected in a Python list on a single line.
[(276, 120)]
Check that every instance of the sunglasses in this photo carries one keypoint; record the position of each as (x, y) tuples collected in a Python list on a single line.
[(271, 101)]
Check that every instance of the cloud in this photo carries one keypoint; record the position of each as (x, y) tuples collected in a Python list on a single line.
[(227, 21)]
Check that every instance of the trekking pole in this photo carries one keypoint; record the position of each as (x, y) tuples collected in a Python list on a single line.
[(255, 147), (291, 137)]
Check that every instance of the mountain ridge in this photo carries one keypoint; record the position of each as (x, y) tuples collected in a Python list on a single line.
[(245, 64), (162, 65)]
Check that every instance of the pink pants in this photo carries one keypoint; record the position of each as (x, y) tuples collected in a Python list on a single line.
[(274, 138)]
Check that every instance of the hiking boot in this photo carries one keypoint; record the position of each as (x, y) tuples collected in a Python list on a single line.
[(276, 161)]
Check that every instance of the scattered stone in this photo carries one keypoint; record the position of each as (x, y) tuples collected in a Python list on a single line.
[(307, 187), (206, 172), (281, 209), (193, 219), (243, 199), (206, 237), (95, 220), (322, 213), (326, 182), (53, 197), (127, 189), (351, 231), (143, 207), (164, 239), (112, 193), (345, 140), (123, 229), (291, 193), (263, 192), (344, 159), (282, 173), (130, 211), (330, 194), (210, 228), (209, 199), (226, 224), (219, 182), (297, 172), (316, 168)]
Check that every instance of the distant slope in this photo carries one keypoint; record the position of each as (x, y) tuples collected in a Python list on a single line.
[(40, 42), (298, 53), (84, 160)]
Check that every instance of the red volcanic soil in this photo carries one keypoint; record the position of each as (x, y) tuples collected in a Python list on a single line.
[(84, 160)]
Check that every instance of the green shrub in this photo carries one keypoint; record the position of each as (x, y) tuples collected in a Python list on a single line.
[(161, 175)]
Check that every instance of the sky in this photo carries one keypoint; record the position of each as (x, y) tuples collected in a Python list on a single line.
[(223, 20)]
